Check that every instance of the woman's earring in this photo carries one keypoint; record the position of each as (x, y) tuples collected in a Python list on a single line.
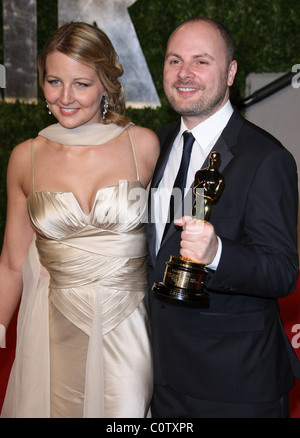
[(105, 106), (49, 112)]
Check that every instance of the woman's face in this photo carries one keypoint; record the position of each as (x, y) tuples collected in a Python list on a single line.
[(73, 91)]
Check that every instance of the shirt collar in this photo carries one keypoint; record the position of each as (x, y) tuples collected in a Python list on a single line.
[(206, 132)]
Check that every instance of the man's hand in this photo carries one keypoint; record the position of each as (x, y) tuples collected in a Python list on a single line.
[(198, 240)]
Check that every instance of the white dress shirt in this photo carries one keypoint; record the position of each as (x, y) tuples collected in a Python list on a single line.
[(206, 134)]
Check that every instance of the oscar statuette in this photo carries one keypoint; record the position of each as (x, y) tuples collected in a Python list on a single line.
[(183, 277)]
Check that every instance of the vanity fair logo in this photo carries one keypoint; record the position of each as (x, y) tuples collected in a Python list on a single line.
[(2, 76), (2, 336), (20, 24)]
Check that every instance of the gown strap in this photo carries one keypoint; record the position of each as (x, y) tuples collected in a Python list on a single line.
[(134, 154), (32, 164)]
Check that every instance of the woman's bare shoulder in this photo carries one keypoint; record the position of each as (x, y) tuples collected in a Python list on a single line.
[(142, 131), (22, 151), (145, 139)]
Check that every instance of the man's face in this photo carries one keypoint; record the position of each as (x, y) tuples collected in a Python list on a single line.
[(196, 72)]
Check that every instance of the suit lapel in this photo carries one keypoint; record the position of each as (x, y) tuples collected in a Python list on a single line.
[(226, 156)]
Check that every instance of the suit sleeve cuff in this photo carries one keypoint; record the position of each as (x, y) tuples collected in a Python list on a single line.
[(214, 264)]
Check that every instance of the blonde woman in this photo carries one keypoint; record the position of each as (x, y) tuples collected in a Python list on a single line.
[(74, 245)]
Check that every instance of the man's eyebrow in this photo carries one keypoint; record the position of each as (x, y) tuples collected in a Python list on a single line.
[(168, 55), (196, 56)]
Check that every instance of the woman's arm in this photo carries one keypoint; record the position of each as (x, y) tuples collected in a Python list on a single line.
[(18, 232)]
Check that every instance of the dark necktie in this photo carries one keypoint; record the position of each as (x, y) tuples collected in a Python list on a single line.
[(180, 180)]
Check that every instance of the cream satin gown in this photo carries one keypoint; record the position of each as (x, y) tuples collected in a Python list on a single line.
[(83, 347)]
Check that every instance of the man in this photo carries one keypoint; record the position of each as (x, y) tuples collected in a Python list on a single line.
[(231, 359)]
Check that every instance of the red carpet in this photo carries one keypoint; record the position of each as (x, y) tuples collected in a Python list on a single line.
[(290, 314), (7, 357)]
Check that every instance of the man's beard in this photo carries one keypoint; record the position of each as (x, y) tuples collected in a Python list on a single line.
[(203, 107)]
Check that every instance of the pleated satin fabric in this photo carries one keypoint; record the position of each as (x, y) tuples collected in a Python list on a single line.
[(83, 343)]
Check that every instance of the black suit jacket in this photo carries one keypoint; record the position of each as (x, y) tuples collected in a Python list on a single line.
[(236, 349)]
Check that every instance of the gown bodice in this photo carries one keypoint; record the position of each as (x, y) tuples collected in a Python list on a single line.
[(103, 249), (56, 215)]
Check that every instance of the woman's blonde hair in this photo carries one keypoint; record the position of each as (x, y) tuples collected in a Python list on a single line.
[(91, 46)]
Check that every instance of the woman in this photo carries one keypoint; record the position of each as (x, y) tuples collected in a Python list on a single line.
[(75, 225)]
